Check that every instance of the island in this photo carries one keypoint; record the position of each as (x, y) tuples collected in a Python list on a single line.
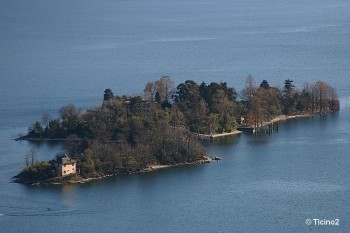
[(162, 128)]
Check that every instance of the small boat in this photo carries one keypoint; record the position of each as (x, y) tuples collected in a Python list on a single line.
[(217, 158)]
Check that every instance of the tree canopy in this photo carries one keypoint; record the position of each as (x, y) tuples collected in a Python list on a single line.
[(130, 132)]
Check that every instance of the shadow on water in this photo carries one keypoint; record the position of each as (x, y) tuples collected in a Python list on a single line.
[(49, 144), (46, 150), (325, 119), (36, 202), (258, 141)]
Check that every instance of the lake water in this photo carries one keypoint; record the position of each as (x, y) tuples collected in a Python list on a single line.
[(58, 52)]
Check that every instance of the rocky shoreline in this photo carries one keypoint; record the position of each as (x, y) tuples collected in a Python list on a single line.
[(151, 168)]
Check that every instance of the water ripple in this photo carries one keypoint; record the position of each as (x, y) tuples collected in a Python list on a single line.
[(293, 186)]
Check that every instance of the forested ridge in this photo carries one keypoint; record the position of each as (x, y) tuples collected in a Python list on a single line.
[(128, 133)]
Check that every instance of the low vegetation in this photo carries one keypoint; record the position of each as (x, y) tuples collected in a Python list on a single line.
[(37, 173)]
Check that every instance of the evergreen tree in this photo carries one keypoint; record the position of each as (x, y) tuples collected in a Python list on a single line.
[(158, 98), (287, 94), (265, 84), (108, 95)]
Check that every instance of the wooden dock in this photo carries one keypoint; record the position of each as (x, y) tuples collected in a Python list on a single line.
[(266, 128)]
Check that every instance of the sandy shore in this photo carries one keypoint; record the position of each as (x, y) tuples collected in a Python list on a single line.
[(225, 134), (208, 136)]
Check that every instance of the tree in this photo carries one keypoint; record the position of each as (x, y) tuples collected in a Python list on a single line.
[(176, 117), (158, 99), (168, 85), (305, 101), (36, 130), (70, 118), (258, 109), (326, 97), (33, 155), (30, 157), (273, 98), (73, 144), (164, 87), (193, 105), (187, 92), (108, 95), (287, 94), (38, 172), (68, 112), (334, 104), (161, 90), (45, 119), (249, 89), (228, 123), (222, 104), (265, 84), (53, 130), (27, 159), (149, 91), (136, 105), (211, 92)]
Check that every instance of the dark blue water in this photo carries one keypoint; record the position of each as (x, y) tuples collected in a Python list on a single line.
[(58, 52)]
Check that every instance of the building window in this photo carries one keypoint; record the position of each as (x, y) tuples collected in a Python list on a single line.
[(64, 172)]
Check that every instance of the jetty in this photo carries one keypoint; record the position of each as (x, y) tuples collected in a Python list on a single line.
[(265, 128), (269, 127), (211, 137)]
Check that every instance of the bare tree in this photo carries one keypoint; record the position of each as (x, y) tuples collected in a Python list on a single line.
[(149, 91), (27, 159), (45, 119), (249, 89), (30, 157), (161, 89), (68, 111), (327, 97), (164, 87), (169, 86)]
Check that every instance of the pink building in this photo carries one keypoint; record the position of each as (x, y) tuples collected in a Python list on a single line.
[(66, 166)]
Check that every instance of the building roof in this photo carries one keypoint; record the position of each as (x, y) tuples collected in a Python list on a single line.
[(66, 160)]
